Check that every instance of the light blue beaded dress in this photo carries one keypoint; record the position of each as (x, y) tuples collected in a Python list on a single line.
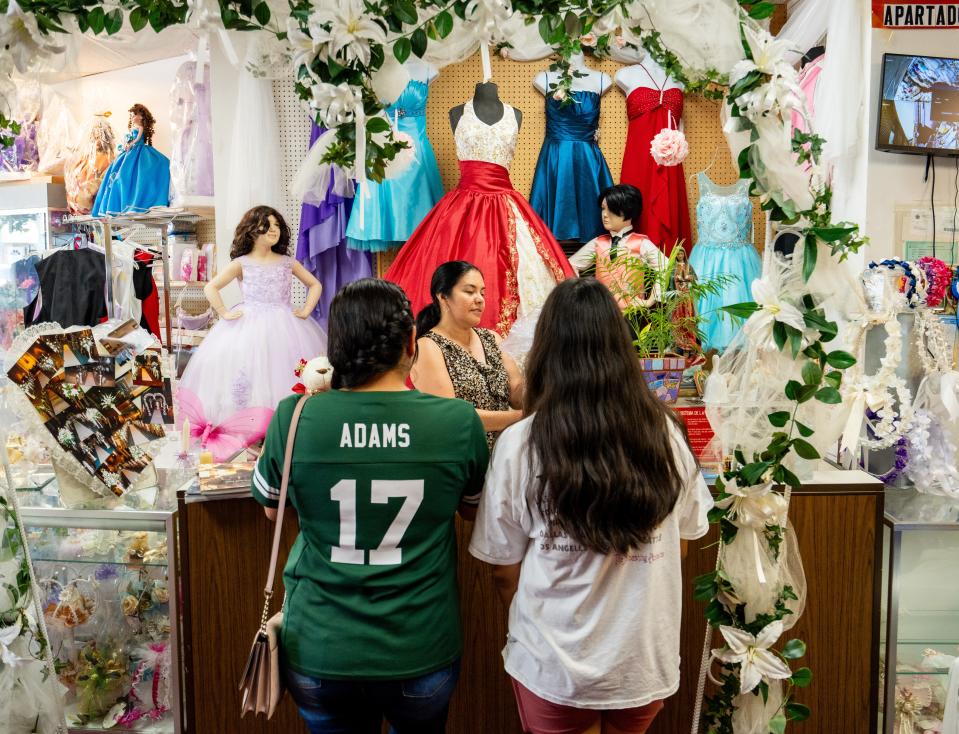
[(395, 207), (724, 246)]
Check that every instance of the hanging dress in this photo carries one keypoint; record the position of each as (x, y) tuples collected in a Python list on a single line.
[(571, 171), (321, 246), (137, 180), (485, 221), (191, 163), (724, 220), (665, 215), (394, 207)]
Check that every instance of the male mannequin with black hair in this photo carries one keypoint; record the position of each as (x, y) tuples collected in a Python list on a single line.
[(487, 106), (621, 205)]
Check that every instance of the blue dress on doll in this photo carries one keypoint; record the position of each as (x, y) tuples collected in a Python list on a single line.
[(249, 362), (396, 206), (571, 171), (724, 222), (138, 179)]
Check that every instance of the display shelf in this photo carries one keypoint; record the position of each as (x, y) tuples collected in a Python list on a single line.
[(109, 584), (919, 603), (105, 562)]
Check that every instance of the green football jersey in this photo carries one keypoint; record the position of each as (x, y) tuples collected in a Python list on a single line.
[(376, 480)]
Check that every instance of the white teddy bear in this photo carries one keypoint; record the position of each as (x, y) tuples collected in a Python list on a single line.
[(317, 375)]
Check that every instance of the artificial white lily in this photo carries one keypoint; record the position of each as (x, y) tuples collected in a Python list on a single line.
[(335, 104), (344, 29), (773, 308), (768, 54), (757, 662), (305, 49), (20, 36), (9, 635)]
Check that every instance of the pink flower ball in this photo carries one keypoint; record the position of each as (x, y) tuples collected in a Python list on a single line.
[(669, 147)]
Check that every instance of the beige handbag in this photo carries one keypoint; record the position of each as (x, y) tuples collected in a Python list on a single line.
[(261, 685)]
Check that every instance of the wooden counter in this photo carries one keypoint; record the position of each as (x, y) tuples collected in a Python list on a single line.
[(225, 545)]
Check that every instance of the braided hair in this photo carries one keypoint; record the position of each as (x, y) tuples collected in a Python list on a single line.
[(370, 325)]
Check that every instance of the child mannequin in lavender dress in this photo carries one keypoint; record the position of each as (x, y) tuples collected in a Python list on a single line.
[(247, 362)]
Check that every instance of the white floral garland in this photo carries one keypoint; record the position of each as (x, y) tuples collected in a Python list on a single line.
[(935, 352), (882, 392)]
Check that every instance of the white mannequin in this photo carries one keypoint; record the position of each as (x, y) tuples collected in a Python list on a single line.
[(421, 71), (626, 54), (593, 81), (646, 73)]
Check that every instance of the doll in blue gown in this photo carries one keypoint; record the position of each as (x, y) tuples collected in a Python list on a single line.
[(139, 177)]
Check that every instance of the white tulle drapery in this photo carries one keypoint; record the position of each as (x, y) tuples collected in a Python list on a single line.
[(704, 34), (255, 175), (840, 94)]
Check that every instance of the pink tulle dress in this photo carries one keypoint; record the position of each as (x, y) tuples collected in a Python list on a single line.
[(244, 367)]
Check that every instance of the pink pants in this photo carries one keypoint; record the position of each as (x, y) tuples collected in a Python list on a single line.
[(539, 716)]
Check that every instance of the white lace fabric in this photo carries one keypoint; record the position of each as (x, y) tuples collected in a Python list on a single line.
[(477, 141)]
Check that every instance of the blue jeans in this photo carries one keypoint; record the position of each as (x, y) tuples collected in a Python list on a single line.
[(411, 706)]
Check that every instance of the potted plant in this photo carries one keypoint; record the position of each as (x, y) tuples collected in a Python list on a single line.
[(660, 306)]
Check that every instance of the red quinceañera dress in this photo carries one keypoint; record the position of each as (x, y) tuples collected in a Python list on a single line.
[(665, 217), (485, 221)]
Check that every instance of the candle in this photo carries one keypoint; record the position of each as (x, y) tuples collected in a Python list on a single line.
[(185, 436), (206, 457)]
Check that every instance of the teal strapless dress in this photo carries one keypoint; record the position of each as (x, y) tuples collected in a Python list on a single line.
[(724, 223), (137, 180), (396, 206), (571, 171)]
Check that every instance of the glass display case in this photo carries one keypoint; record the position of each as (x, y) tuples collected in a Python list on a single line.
[(24, 235), (108, 580), (919, 635)]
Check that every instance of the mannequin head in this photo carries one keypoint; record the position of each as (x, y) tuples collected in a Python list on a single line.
[(262, 228), (620, 205)]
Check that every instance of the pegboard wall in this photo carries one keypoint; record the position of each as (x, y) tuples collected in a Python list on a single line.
[(455, 84), (294, 125)]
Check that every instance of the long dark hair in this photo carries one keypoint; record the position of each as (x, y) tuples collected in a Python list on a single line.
[(601, 444), (444, 280), (370, 326), (254, 223), (146, 119)]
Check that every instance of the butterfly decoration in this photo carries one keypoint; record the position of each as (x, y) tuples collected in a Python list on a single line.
[(227, 439)]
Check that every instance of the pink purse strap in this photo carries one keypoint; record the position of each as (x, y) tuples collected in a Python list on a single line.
[(284, 485)]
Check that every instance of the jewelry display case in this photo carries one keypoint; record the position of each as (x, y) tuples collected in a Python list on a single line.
[(919, 633), (109, 586)]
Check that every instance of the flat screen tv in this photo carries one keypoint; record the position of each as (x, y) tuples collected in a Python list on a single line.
[(919, 105)]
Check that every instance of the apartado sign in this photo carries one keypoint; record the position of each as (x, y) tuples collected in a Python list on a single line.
[(936, 14)]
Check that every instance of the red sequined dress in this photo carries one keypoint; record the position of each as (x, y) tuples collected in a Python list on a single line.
[(665, 217)]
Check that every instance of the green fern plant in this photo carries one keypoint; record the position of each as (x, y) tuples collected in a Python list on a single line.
[(666, 324)]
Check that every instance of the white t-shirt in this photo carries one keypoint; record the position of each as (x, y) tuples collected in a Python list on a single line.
[(585, 629)]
